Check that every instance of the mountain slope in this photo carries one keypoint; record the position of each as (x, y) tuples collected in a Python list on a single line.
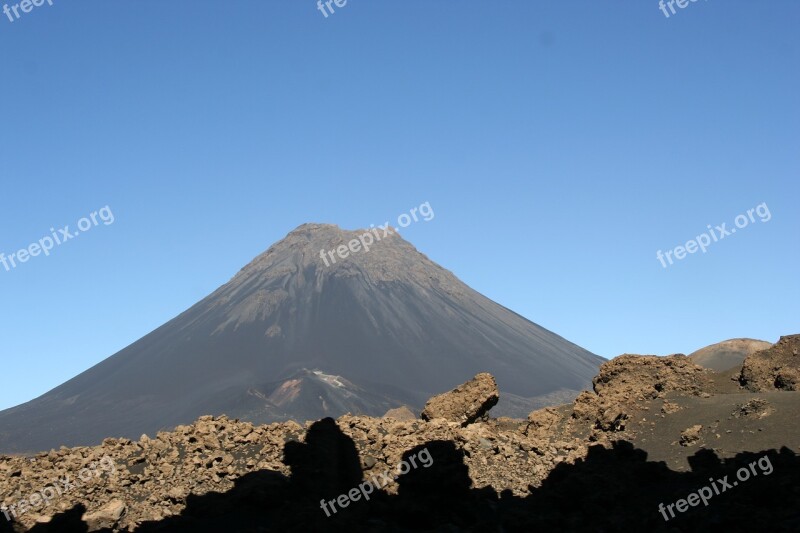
[(395, 327)]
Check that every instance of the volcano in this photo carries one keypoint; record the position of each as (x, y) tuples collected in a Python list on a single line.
[(300, 334)]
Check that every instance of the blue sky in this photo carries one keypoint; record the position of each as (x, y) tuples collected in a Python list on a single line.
[(560, 145)]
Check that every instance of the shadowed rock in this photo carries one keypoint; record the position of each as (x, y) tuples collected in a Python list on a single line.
[(106, 517), (777, 367)]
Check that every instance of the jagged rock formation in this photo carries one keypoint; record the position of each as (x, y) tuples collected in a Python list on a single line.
[(628, 380), (777, 367), (464, 404), (682, 424)]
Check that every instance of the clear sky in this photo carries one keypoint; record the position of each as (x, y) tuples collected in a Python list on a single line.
[(560, 145)]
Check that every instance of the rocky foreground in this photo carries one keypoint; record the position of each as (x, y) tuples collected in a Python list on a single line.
[(655, 431)]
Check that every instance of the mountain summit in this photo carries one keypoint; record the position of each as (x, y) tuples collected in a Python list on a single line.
[(302, 333)]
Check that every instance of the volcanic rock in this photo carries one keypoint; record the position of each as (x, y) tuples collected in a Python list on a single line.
[(543, 420), (627, 380), (400, 413), (777, 367), (466, 403), (106, 517), (691, 435)]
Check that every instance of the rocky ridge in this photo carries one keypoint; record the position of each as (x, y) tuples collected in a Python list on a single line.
[(156, 479)]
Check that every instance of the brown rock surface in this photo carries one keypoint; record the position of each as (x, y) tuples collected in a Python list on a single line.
[(649, 376), (777, 367), (154, 476), (690, 436), (466, 403), (543, 421), (106, 517), (400, 413), (628, 380)]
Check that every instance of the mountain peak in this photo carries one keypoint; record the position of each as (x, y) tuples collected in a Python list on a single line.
[(317, 250), (363, 309)]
